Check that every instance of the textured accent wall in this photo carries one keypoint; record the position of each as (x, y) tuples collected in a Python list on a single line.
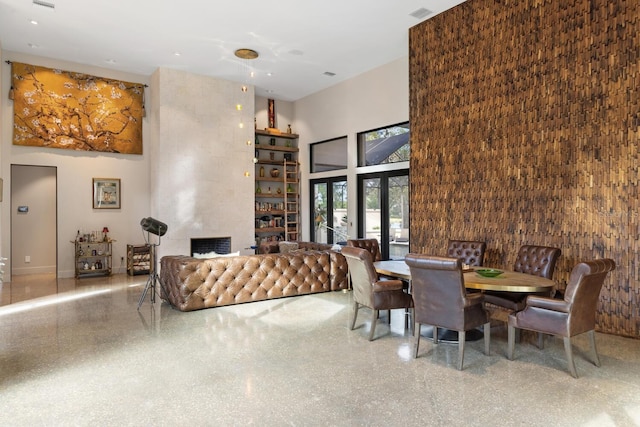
[(524, 130)]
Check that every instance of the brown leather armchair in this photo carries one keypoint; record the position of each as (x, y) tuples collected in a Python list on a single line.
[(535, 260), (371, 292), (574, 315), (440, 300), (470, 252), (370, 245)]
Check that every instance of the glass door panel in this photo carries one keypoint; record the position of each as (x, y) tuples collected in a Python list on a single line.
[(372, 215), (329, 210), (339, 204), (319, 210), (398, 208)]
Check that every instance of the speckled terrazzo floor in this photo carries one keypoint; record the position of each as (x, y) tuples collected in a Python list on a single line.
[(87, 357)]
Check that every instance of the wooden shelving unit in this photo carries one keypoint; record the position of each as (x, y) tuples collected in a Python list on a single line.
[(277, 198)]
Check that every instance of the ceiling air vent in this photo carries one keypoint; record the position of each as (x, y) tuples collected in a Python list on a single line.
[(44, 4), (329, 73), (421, 13)]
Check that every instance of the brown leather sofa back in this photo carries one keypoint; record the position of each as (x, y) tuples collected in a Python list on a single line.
[(273, 247), (193, 284)]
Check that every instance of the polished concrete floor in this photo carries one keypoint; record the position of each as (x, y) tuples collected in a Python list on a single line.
[(85, 356)]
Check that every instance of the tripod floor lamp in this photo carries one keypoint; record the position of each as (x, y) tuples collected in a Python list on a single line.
[(157, 228)]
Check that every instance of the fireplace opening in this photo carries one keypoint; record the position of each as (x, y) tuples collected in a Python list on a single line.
[(204, 245)]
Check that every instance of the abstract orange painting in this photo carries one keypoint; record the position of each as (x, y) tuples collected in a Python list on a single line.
[(62, 109)]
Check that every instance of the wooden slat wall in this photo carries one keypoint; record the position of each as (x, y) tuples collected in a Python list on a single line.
[(524, 130)]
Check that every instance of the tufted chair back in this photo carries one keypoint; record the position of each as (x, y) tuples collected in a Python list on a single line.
[(537, 260), (470, 252), (370, 245), (369, 290), (440, 299), (574, 315)]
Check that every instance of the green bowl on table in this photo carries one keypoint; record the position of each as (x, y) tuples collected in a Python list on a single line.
[(489, 272)]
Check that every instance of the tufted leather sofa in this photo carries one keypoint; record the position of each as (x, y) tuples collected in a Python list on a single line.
[(273, 247), (192, 284)]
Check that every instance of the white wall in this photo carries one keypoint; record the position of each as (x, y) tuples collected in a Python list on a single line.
[(371, 100), (198, 160), (75, 172)]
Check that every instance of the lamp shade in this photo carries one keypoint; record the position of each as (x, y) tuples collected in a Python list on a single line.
[(153, 226), (105, 229)]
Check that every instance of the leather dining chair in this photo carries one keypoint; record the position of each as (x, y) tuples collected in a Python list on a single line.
[(574, 315), (470, 252), (531, 259), (370, 291), (370, 245), (440, 300)]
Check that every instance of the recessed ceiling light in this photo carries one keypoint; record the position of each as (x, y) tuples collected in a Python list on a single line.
[(177, 53), (269, 74), (34, 22), (421, 13), (269, 91)]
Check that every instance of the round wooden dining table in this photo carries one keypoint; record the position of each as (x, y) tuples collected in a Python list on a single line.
[(508, 281)]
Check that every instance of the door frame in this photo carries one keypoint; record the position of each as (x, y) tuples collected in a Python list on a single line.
[(384, 205)]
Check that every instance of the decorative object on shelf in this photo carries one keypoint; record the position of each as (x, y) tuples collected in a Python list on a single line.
[(275, 172), (261, 171), (289, 129), (279, 190), (272, 156), (289, 188), (106, 193), (105, 234), (272, 141), (272, 113), (258, 190), (288, 156)]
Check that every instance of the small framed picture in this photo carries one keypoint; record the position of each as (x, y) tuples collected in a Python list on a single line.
[(106, 193)]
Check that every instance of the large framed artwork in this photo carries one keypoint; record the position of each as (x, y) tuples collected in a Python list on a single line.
[(63, 109), (106, 193)]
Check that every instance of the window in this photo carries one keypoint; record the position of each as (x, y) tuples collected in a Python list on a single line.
[(384, 145), (329, 155)]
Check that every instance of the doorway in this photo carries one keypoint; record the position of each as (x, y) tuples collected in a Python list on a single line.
[(329, 210), (33, 229), (383, 209)]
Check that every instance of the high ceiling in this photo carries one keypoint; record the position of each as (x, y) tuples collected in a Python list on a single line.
[(298, 41)]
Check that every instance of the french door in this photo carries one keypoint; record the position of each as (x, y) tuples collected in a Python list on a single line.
[(383, 209), (329, 210)]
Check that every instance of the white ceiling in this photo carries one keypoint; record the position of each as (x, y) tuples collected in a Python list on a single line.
[(298, 41)]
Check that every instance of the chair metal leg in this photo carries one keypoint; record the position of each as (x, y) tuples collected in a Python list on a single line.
[(389, 317), (567, 349), (461, 341), (511, 341), (356, 307), (435, 335), (487, 337), (416, 339), (592, 341), (540, 340), (374, 319)]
